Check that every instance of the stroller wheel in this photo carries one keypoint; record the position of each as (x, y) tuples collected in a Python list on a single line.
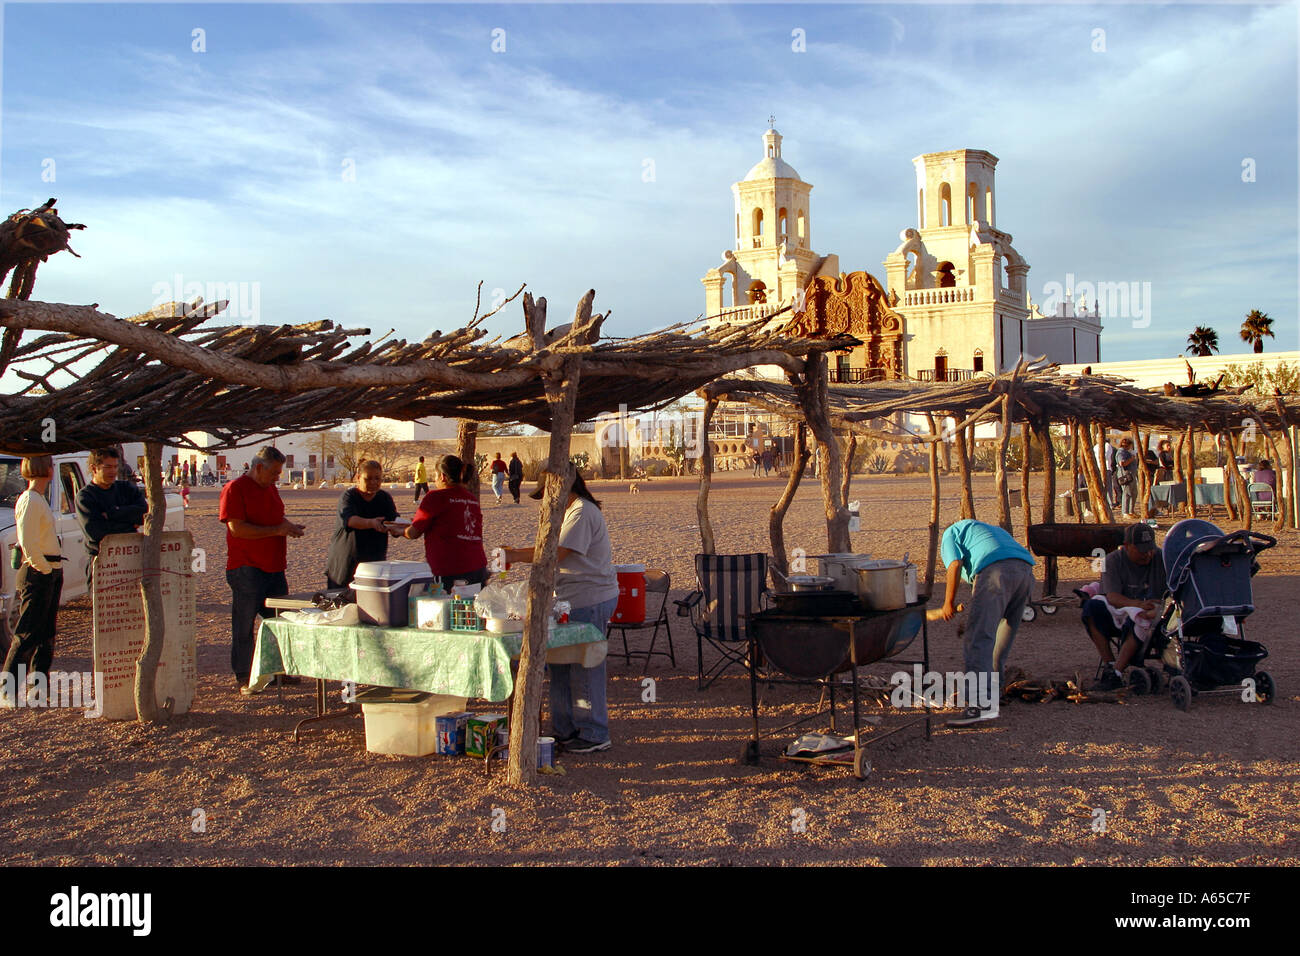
[(1265, 689), (1049, 609), (1181, 692), (1157, 681), (1028, 614), (1139, 681)]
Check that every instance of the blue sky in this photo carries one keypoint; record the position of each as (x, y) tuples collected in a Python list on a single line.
[(230, 165)]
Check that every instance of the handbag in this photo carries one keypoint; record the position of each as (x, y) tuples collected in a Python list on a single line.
[(16, 557)]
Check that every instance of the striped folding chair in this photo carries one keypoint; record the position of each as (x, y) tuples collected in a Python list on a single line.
[(730, 586)]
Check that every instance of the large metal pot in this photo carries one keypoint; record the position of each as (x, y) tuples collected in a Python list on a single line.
[(809, 582), (840, 566), (882, 585)]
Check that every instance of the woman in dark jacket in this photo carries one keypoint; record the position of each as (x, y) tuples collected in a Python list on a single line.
[(363, 530)]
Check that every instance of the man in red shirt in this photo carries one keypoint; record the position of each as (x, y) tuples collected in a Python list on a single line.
[(256, 551)]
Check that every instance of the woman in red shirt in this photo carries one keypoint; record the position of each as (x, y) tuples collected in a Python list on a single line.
[(451, 523)]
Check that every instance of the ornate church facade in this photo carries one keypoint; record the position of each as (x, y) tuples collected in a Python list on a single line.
[(957, 301)]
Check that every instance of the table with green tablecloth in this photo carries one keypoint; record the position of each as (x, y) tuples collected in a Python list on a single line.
[(473, 664), (1171, 494)]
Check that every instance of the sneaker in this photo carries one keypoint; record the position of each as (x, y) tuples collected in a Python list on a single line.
[(580, 746), (972, 716), (1110, 681), (247, 691)]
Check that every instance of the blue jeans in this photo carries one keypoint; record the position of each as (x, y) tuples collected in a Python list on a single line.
[(998, 597), (578, 693), (499, 484)]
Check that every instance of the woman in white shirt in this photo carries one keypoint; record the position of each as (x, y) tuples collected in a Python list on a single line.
[(40, 579)]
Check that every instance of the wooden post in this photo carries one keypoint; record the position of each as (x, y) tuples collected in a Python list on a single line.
[(1288, 434), (1144, 473), (1000, 467), (146, 665), (776, 519), (1074, 471), (932, 549), (1178, 458), (1026, 449), (707, 545), (848, 468), (1044, 429), (466, 448), (1096, 486), (561, 395), (1189, 469), (813, 397), (1237, 482), (1279, 499), (964, 466)]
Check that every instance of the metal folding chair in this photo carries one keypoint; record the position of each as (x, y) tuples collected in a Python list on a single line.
[(657, 582), (730, 586), (1263, 502)]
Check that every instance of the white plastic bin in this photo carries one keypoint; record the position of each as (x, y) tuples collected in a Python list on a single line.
[(406, 727)]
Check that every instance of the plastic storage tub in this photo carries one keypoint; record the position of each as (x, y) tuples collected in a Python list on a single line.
[(384, 590), (404, 722)]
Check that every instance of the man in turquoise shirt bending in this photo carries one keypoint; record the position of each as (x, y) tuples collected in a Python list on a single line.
[(1001, 574)]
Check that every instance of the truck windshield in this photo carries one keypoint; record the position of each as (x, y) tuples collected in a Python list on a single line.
[(12, 483)]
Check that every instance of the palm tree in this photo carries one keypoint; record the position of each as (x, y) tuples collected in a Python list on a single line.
[(1203, 340), (1256, 326)]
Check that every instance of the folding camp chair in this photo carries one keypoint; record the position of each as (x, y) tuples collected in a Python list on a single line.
[(730, 586), (1263, 503), (657, 582)]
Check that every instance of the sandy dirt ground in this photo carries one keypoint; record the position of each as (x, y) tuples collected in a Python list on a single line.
[(1216, 785)]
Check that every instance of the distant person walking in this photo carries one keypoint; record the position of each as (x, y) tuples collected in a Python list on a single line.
[(515, 471), (498, 477), (421, 481)]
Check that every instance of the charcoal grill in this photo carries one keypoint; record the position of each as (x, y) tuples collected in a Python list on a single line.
[(814, 650)]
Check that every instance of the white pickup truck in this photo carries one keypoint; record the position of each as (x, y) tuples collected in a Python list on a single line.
[(70, 476)]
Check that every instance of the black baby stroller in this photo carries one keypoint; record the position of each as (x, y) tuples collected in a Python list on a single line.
[(1209, 586)]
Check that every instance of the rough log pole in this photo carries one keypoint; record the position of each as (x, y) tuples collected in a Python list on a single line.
[(1178, 458), (707, 545), (964, 466), (1280, 497), (1289, 498), (561, 395), (146, 666), (466, 448), (1000, 467), (1044, 430), (1189, 469), (932, 550), (848, 469), (1238, 482), (814, 399), (1074, 471), (1026, 449), (1144, 473), (776, 520), (1101, 512)]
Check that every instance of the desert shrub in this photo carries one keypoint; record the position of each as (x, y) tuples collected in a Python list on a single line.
[(878, 464)]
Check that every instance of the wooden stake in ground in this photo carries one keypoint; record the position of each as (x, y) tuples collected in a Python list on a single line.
[(1189, 470), (1000, 465), (932, 549), (1096, 486), (848, 469), (964, 466), (776, 520), (1140, 442), (706, 480), (466, 448), (155, 625), (1043, 429), (812, 392), (1238, 483), (1026, 449), (1074, 471), (1179, 458)]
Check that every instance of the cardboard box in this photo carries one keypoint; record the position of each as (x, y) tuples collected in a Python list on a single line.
[(481, 733), (451, 733)]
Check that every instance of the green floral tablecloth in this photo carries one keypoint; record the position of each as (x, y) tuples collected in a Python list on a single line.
[(458, 663)]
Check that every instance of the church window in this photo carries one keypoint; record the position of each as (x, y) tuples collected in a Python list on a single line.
[(978, 362), (757, 292), (912, 274), (782, 225), (758, 228), (737, 228), (941, 366), (947, 278), (803, 226), (972, 195), (920, 209), (988, 204), (945, 205)]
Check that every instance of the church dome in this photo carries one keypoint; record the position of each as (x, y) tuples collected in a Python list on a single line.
[(771, 166)]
